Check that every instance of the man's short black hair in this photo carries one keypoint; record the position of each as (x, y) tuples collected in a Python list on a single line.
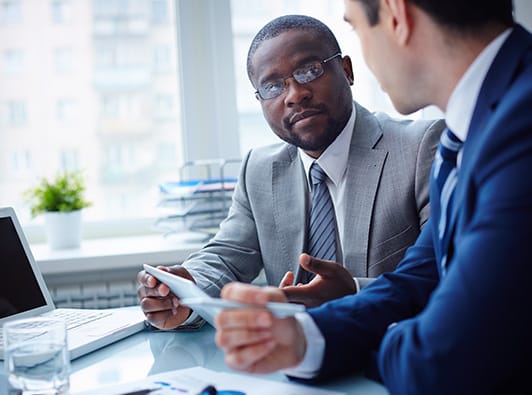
[(287, 23), (458, 15)]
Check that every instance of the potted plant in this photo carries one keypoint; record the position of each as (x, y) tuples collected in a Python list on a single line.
[(60, 200)]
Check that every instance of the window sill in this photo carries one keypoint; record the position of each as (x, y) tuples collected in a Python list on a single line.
[(117, 253)]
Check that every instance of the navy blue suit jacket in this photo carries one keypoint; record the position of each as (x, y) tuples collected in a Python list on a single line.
[(469, 331)]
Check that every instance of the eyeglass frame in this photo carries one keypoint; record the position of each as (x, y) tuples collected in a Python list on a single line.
[(320, 63)]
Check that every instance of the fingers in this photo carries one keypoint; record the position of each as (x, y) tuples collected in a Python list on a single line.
[(249, 358), (254, 319), (256, 342), (318, 266), (287, 280), (164, 313), (159, 305), (245, 293)]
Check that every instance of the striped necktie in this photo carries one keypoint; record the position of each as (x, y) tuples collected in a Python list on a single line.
[(322, 225), (444, 180)]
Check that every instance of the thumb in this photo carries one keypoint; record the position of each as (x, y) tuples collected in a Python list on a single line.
[(317, 266), (287, 280)]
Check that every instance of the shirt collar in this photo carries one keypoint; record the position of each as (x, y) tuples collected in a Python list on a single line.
[(464, 97), (333, 160)]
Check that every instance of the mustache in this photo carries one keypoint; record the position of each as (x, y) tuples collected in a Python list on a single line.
[(301, 112)]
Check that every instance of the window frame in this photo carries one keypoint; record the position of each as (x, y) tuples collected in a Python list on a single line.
[(199, 24)]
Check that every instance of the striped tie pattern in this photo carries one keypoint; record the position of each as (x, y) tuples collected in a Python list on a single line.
[(445, 178), (322, 226)]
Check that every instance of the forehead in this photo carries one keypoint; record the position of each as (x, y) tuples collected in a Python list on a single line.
[(287, 50)]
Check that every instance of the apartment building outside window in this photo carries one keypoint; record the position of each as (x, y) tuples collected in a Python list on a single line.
[(85, 84)]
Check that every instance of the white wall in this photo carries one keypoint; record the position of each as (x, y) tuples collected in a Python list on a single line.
[(523, 12)]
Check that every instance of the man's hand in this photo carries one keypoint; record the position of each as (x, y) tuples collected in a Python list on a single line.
[(160, 306), (253, 340), (332, 281)]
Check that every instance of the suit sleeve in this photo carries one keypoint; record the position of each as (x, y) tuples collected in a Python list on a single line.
[(353, 326), (474, 334), (233, 254)]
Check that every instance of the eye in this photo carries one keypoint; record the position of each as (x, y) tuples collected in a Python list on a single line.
[(272, 86), (308, 73)]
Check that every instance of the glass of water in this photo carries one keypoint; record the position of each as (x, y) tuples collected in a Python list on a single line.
[(36, 355)]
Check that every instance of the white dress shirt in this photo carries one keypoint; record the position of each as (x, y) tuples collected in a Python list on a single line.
[(458, 116), (333, 162)]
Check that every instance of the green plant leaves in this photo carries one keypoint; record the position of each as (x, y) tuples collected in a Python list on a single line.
[(65, 193)]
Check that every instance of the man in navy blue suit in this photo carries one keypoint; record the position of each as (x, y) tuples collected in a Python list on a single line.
[(454, 317)]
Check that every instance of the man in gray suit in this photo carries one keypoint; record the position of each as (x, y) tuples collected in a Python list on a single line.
[(377, 170)]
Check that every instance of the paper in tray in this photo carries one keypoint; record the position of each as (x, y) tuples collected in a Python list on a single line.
[(191, 187)]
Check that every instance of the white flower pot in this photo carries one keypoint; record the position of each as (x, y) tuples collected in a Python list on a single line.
[(63, 230)]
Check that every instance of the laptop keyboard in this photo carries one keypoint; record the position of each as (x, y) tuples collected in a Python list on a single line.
[(77, 318)]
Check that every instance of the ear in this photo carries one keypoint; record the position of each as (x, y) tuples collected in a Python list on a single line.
[(348, 69), (399, 19)]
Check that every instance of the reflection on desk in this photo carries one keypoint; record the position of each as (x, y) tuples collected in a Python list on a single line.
[(147, 353)]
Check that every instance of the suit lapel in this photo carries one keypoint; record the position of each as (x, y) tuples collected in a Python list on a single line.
[(493, 89), (364, 169), (290, 190)]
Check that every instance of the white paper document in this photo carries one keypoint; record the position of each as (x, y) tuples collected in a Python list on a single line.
[(193, 381)]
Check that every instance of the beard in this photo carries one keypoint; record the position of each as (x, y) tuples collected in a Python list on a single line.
[(314, 140)]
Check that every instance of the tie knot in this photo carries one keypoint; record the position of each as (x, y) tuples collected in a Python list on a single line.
[(449, 145), (317, 175)]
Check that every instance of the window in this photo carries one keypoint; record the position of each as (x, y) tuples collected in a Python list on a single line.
[(61, 11), (66, 110), (10, 12), (13, 61), (162, 58), (164, 107), (85, 100), (126, 94), (20, 163), (15, 113), (69, 159), (159, 11)]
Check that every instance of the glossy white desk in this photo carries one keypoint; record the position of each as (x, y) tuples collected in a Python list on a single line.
[(148, 353)]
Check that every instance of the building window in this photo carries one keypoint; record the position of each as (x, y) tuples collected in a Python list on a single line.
[(164, 107), (10, 12), (84, 99), (69, 158), (61, 11), (13, 60), (159, 10), (20, 163), (67, 110), (15, 113), (162, 60)]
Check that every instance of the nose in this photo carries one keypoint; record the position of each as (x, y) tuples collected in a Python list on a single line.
[(296, 92)]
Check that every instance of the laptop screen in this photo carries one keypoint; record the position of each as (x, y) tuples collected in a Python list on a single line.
[(20, 290)]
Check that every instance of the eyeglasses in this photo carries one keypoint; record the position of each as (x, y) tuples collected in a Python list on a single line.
[(303, 75)]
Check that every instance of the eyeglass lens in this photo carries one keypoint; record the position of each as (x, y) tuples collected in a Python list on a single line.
[(302, 75)]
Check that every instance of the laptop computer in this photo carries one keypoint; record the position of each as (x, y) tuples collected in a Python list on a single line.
[(24, 294)]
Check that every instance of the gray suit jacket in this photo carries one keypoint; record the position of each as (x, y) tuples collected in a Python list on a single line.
[(388, 182)]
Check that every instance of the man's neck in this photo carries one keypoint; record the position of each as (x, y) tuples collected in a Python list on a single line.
[(459, 53)]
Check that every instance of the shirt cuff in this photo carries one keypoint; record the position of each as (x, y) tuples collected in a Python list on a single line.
[(357, 285), (311, 363), (191, 318)]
